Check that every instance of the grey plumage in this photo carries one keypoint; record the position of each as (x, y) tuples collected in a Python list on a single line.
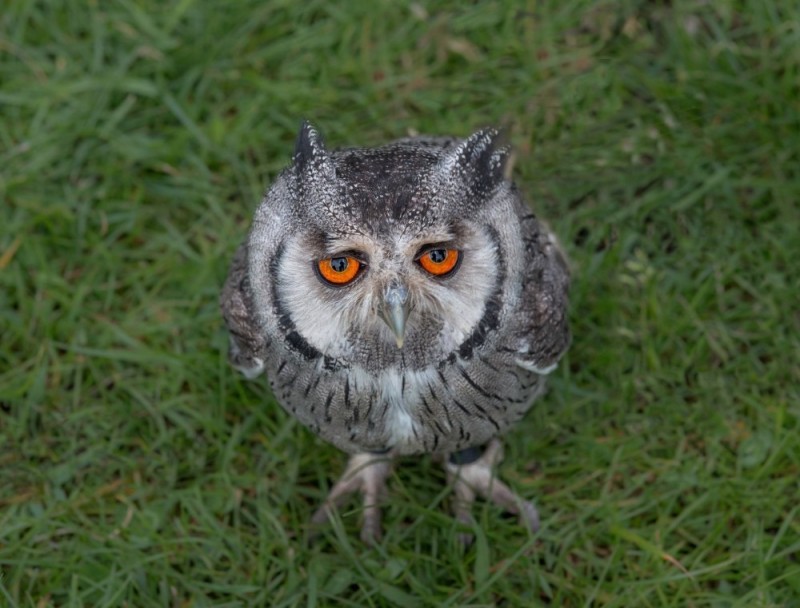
[(476, 342)]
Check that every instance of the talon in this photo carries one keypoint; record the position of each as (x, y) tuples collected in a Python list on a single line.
[(478, 477), (365, 473)]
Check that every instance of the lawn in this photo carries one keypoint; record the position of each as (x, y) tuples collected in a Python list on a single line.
[(661, 140)]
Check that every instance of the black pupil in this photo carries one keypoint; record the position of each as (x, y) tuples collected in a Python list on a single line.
[(437, 256), (339, 264)]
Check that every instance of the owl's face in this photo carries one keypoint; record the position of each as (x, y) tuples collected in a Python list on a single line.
[(383, 254)]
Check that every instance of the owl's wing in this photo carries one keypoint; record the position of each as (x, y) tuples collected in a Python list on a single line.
[(247, 345), (543, 332)]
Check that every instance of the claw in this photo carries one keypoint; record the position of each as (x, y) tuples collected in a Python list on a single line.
[(365, 473), (477, 478)]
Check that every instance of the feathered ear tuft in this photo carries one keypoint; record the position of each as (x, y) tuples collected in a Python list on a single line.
[(310, 155), (480, 162)]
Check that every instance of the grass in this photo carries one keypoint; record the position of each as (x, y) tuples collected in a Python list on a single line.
[(661, 141)]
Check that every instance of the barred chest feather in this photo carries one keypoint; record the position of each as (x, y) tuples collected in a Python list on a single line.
[(438, 409)]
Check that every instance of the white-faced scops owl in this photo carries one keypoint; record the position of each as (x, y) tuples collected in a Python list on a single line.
[(402, 300)]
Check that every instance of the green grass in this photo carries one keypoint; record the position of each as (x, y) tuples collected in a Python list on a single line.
[(660, 140)]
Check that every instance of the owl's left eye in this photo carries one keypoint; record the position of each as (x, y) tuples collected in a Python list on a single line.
[(439, 261), (339, 270)]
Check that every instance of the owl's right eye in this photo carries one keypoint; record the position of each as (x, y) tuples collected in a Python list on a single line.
[(339, 270)]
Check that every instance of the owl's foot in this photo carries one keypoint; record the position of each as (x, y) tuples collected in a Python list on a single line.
[(366, 474), (478, 478)]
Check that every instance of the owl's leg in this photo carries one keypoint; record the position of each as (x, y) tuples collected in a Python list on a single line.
[(366, 473), (472, 475)]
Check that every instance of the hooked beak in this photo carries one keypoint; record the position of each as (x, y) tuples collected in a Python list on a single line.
[(394, 310)]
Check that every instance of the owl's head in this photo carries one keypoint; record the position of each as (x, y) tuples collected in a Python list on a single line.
[(378, 255)]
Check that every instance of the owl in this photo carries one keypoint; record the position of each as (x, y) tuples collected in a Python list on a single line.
[(402, 300)]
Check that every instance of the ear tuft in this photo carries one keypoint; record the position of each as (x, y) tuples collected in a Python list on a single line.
[(480, 162), (310, 155)]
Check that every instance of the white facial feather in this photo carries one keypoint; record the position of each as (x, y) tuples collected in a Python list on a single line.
[(326, 315), (322, 314)]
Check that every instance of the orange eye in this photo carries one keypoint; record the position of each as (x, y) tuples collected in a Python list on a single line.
[(339, 270), (439, 261)]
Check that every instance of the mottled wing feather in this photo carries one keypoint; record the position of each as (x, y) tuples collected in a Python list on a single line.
[(543, 326), (247, 344)]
